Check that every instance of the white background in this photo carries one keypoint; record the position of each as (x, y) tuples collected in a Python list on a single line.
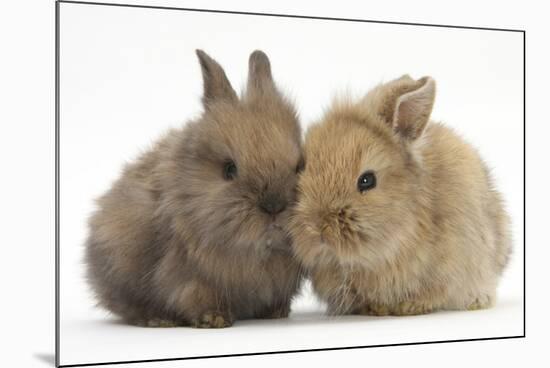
[(27, 156)]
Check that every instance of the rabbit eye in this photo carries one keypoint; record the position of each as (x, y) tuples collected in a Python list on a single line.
[(301, 165), (366, 181), (229, 170)]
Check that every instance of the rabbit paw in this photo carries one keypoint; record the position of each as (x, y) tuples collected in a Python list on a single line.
[(412, 308), (213, 320), (480, 303)]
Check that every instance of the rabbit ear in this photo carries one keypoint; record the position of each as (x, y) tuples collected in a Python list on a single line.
[(260, 80), (405, 104), (216, 85), (413, 109)]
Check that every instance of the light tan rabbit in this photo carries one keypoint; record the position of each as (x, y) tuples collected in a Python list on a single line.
[(396, 215)]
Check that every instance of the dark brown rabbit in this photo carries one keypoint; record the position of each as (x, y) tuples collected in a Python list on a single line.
[(193, 232)]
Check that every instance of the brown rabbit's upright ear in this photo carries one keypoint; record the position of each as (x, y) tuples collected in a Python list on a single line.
[(260, 80), (407, 105), (216, 84)]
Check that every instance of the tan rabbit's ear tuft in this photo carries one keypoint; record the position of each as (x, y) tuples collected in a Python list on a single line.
[(260, 80), (215, 83), (405, 104), (413, 109)]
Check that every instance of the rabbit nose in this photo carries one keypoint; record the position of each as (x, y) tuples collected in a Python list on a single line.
[(272, 204)]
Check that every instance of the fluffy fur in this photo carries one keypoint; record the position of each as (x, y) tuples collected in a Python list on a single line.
[(431, 235), (175, 242)]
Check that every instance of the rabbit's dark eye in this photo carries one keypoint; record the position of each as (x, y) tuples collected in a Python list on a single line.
[(366, 181), (229, 170), (300, 166)]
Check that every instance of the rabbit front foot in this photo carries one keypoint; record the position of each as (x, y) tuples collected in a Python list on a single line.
[(213, 320), (413, 308), (482, 302)]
